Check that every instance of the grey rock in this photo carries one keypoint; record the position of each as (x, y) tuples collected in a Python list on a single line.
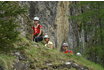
[(1, 68), (20, 56), (21, 66)]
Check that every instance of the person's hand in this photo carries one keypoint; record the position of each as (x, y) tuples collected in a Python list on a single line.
[(37, 36)]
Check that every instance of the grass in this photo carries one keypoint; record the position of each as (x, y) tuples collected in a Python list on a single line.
[(42, 54), (91, 65), (38, 55), (6, 61)]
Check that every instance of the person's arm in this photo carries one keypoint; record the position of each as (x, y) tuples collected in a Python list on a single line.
[(51, 45), (71, 52), (40, 33), (40, 30)]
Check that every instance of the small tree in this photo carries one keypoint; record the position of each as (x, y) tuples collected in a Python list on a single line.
[(9, 12)]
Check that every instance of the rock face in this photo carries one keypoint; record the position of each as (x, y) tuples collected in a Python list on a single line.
[(54, 16), (62, 22), (47, 12)]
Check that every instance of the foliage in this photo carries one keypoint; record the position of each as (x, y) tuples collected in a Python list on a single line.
[(90, 18), (37, 54), (9, 12), (52, 55), (6, 61)]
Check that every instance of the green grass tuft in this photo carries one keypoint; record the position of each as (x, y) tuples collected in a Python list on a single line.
[(38, 54)]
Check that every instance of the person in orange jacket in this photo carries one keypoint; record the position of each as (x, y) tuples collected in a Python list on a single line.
[(37, 30), (65, 48)]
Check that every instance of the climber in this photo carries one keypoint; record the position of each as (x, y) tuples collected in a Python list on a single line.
[(37, 35), (47, 41), (65, 48)]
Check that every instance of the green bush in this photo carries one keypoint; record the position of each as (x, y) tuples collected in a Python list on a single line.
[(9, 12)]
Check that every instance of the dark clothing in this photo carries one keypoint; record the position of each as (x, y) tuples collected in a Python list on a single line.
[(37, 39)]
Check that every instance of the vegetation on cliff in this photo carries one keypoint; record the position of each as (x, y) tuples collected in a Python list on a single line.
[(9, 12), (39, 55), (15, 49), (89, 19)]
